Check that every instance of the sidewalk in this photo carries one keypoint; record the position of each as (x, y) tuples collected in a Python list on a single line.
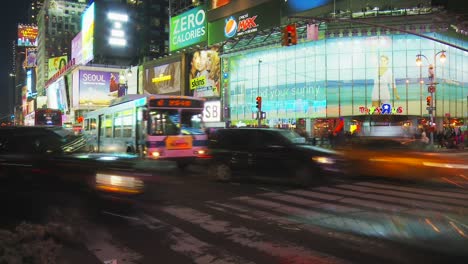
[(76, 255)]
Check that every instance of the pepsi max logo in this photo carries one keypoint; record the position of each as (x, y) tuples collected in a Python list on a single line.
[(230, 28)]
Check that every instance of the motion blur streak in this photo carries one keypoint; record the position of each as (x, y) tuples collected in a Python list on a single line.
[(432, 225), (458, 229), (445, 165), (452, 182)]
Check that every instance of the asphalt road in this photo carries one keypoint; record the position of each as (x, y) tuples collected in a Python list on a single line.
[(186, 217)]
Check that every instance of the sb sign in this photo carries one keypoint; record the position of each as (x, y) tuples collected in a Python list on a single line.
[(212, 111)]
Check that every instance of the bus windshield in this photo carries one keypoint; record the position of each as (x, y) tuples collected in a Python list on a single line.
[(171, 122)]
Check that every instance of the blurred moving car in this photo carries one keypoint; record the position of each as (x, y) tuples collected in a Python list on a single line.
[(54, 155), (405, 158), (272, 153)]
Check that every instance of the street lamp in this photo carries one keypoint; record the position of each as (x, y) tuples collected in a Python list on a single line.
[(431, 87)]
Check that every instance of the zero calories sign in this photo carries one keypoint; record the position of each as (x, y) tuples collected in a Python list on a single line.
[(188, 28)]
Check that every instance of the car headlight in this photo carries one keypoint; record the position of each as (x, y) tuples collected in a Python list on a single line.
[(118, 183), (323, 160)]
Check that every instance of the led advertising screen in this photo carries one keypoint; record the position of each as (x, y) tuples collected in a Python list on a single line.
[(31, 58), (56, 63), (87, 29), (188, 28), (249, 21), (163, 79), (27, 35), (204, 75), (77, 50), (97, 88)]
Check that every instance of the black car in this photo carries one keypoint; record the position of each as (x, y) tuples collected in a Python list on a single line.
[(270, 152), (55, 155)]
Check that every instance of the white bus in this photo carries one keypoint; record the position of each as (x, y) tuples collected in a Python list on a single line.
[(153, 126)]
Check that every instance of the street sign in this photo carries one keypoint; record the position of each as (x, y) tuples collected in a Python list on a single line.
[(430, 108), (431, 89)]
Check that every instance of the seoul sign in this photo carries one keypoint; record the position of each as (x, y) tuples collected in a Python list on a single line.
[(188, 29)]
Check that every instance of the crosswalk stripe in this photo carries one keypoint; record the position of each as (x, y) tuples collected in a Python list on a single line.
[(285, 251), (416, 190), (300, 224), (402, 194), (397, 200), (200, 252), (316, 195)]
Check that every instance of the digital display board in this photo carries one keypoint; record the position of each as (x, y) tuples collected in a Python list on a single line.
[(188, 28), (176, 103), (27, 35)]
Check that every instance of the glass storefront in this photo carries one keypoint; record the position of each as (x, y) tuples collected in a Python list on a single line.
[(348, 76)]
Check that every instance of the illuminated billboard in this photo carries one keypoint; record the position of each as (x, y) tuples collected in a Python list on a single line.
[(87, 29), (27, 35), (30, 60), (246, 22), (204, 75), (29, 82), (114, 30), (188, 28), (57, 95), (97, 88), (163, 79), (77, 49), (56, 63)]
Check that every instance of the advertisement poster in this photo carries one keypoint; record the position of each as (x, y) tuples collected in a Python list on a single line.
[(204, 75), (163, 79), (57, 95), (246, 22), (188, 28), (98, 88), (56, 63), (77, 51), (31, 58), (27, 35)]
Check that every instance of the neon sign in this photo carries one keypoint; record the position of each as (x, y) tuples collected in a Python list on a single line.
[(385, 109)]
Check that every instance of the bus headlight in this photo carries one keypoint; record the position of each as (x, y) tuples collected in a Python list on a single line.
[(156, 154)]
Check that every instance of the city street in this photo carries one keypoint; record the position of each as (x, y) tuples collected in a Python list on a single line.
[(189, 218)]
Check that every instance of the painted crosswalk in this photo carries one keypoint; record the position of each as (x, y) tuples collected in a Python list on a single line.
[(287, 226)]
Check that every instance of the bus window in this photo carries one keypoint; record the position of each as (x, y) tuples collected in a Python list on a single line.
[(127, 126), (92, 124), (86, 125), (117, 125), (191, 122), (164, 122), (108, 126)]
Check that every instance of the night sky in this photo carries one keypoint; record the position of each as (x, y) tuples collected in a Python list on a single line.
[(14, 12)]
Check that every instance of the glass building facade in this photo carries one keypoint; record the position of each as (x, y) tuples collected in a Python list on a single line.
[(347, 76)]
